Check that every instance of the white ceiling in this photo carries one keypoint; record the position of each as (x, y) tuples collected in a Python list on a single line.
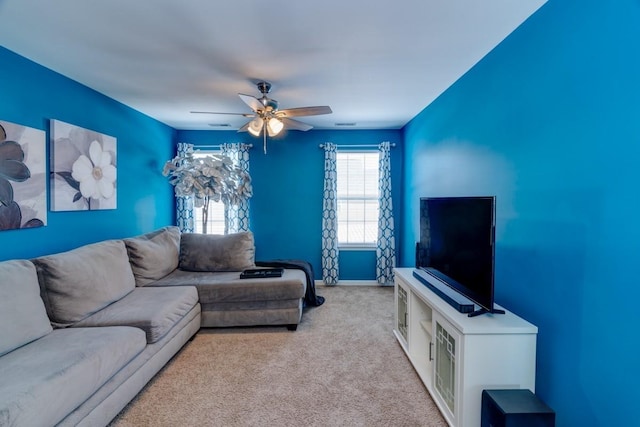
[(376, 63)]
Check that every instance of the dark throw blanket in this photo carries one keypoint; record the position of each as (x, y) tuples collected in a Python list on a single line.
[(310, 298)]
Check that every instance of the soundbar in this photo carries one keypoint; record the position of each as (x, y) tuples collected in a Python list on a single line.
[(451, 296)]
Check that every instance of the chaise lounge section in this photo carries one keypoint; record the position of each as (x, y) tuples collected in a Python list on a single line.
[(213, 263)]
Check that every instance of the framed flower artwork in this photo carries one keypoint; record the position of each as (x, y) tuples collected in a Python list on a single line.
[(83, 169), (23, 185)]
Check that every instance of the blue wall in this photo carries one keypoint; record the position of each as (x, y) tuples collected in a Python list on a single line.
[(286, 208), (287, 202), (550, 123), (30, 96)]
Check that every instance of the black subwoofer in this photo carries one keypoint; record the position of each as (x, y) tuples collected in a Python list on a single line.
[(515, 408)]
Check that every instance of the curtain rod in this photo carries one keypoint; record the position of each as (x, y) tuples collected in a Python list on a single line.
[(195, 147), (393, 144)]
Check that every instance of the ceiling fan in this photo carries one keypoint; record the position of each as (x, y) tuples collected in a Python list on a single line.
[(267, 119)]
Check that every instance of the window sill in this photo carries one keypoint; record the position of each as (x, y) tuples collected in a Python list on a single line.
[(356, 247)]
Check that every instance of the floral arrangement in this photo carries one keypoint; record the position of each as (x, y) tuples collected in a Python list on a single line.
[(209, 178)]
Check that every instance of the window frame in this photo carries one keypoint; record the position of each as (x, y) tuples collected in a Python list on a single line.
[(358, 246)]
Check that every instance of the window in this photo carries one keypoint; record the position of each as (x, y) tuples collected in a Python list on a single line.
[(215, 221), (357, 176)]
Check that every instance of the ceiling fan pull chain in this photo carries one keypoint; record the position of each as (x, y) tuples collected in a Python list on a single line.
[(264, 136)]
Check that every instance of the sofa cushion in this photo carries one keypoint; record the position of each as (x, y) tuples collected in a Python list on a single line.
[(153, 255), (23, 317), (227, 287), (216, 252), (45, 380), (78, 283), (154, 310)]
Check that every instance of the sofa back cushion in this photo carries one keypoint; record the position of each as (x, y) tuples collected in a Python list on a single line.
[(22, 314), (154, 255), (80, 282), (216, 252)]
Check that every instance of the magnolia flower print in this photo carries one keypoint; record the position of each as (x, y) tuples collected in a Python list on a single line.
[(83, 169), (95, 174)]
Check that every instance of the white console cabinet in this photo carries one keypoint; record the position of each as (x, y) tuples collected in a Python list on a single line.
[(457, 356)]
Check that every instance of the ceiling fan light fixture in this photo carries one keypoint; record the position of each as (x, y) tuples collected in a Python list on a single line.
[(255, 126), (267, 119), (275, 126)]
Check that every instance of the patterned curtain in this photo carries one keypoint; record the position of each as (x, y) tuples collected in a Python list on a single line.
[(386, 247), (236, 218), (184, 205), (330, 217)]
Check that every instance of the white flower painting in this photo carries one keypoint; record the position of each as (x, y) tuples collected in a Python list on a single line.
[(83, 169), (23, 185)]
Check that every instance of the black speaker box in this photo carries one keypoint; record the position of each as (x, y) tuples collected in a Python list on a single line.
[(515, 408)]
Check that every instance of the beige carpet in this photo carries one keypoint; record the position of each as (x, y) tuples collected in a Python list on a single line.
[(342, 367)]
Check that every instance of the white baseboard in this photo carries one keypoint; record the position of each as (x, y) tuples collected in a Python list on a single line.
[(351, 283)]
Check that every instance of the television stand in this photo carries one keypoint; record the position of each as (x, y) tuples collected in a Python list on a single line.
[(457, 357), (484, 310)]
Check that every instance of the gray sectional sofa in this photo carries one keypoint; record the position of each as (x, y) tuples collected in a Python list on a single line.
[(82, 332)]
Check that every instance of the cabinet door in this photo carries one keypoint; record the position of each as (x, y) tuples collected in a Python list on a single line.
[(446, 365), (402, 312)]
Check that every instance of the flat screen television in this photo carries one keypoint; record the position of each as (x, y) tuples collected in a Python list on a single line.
[(457, 246)]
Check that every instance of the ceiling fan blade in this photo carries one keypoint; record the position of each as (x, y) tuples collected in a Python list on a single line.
[(215, 112), (295, 124), (226, 114), (253, 102), (304, 111)]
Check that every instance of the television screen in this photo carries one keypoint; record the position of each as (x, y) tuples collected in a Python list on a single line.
[(457, 244)]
